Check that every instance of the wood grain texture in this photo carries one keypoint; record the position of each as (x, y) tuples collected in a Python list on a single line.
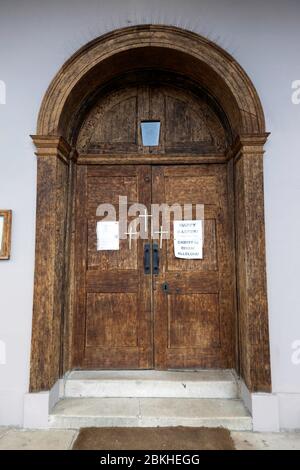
[(197, 316), (251, 267), (69, 268), (5, 241), (150, 46), (52, 201), (112, 320), (194, 321), (69, 98), (113, 324), (188, 122), (150, 159)]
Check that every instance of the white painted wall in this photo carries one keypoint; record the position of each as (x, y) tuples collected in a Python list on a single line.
[(37, 37)]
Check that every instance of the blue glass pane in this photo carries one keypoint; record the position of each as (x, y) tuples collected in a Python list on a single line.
[(150, 133)]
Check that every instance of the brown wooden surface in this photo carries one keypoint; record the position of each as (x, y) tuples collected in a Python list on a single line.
[(252, 310), (189, 123), (49, 285), (251, 265), (148, 159), (65, 106), (147, 47), (113, 320), (69, 267), (194, 322), (5, 242)]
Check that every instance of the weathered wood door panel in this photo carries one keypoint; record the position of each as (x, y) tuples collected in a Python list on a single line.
[(113, 324), (194, 317), (123, 319)]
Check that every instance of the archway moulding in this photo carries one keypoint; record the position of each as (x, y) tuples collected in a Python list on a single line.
[(216, 72), (151, 46)]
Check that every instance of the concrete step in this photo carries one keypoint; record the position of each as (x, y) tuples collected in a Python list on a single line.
[(152, 384), (73, 413)]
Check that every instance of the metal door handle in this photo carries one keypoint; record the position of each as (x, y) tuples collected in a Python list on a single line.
[(147, 263), (155, 254)]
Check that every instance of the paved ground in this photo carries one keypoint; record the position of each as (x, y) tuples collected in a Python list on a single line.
[(20, 439), (266, 441), (15, 439)]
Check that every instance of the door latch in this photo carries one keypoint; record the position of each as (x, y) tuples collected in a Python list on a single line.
[(147, 263), (155, 254)]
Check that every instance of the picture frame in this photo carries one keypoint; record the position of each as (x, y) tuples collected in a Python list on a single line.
[(5, 233)]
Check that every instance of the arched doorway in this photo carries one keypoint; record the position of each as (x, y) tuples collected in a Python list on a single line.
[(94, 310)]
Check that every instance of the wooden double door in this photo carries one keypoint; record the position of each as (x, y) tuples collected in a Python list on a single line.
[(127, 316)]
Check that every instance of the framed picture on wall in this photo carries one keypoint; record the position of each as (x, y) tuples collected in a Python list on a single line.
[(5, 233)]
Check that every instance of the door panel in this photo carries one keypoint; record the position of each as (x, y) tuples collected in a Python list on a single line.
[(193, 321), (124, 320), (112, 320), (194, 318), (113, 324)]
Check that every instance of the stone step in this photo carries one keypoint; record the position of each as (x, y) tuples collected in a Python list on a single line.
[(152, 384), (73, 413)]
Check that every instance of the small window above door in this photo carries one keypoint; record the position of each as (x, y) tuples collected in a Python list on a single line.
[(150, 133)]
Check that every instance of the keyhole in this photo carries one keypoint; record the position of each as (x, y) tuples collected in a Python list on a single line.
[(165, 287)]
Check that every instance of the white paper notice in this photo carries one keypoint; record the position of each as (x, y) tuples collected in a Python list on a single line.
[(188, 239), (108, 236)]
